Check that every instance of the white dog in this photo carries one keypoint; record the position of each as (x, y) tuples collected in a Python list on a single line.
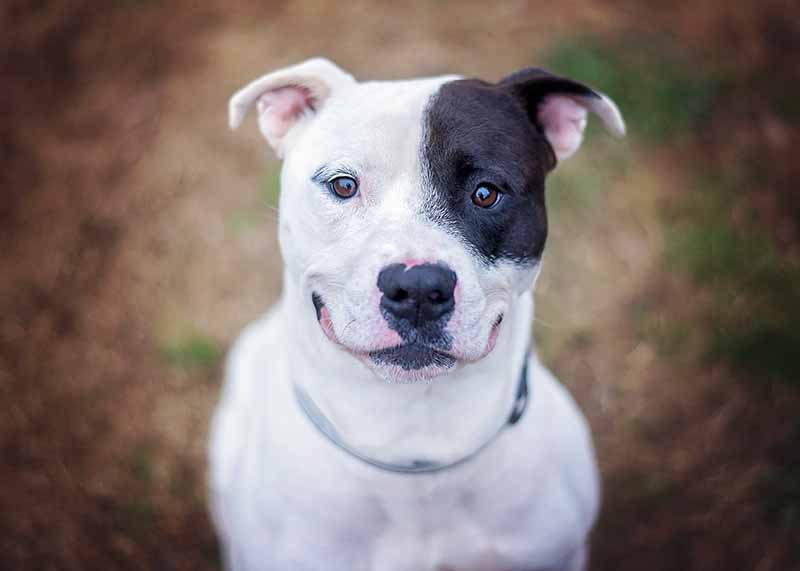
[(386, 414)]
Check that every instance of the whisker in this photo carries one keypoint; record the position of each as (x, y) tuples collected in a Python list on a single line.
[(548, 324), (272, 209)]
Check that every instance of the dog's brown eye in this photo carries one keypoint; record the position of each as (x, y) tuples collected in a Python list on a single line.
[(485, 196), (343, 186)]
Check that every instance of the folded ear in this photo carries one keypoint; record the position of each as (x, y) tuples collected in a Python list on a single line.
[(288, 98), (558, 107)]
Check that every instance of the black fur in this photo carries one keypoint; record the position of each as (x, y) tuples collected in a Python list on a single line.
[(477, 132), (318, 304), (412, 356)]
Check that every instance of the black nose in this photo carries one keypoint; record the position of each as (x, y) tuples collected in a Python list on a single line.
[(420, 294)]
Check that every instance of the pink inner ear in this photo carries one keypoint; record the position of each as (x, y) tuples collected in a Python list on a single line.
[(280, 108), (564, 121)]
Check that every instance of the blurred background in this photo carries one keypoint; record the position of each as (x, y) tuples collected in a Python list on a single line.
[(137, 237)]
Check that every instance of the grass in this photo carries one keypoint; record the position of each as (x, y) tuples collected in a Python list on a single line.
[(193, 352), (659, 92), (781, 486), (271, 187), (655, 322), (139, 508), (664, 98), (756, 291), (244, 221), (783, 507), (579, 184), (749, 323), (141, 462)]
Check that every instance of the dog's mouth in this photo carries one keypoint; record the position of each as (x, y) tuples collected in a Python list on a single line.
[(412, 357), (409, 356)]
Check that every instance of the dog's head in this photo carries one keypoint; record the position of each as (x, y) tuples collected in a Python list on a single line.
[(412, 213)]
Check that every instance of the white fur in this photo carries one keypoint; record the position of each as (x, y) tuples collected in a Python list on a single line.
[(282, 496)]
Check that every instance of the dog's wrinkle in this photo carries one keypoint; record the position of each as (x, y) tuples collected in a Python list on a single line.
[(347, 326), (273, 210)]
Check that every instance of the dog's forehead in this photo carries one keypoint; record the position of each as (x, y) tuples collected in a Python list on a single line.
[(372, 128), (446, 115), (421, 148), (381, 108)]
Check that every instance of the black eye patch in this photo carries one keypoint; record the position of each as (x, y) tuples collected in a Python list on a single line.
[(476, 132)]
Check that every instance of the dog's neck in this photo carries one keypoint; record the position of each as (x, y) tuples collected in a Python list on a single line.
[(440, 421)]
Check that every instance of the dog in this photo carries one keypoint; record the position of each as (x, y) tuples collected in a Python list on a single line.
[(386, 414)]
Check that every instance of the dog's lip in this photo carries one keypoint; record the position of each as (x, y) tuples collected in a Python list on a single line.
[(493, 335), (412, 344), (326, 324), (413, 356), (327, 328)]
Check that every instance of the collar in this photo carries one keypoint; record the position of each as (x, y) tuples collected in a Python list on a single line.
[(325, 426)]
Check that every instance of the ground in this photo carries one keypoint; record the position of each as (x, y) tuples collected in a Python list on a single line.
[(138, 236)]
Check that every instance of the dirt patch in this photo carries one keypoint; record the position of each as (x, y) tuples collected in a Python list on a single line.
[(86, 88)]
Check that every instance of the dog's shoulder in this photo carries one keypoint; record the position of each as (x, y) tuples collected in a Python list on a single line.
[(246, 357), (555, 411), (247, 373)]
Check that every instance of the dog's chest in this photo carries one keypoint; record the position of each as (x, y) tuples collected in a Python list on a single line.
[(406, 523), (454, 528)]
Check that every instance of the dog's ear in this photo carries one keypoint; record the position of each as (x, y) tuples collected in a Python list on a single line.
[(558, 107), (288, 98)]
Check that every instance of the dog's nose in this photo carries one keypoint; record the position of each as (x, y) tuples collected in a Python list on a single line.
[(419, 294)]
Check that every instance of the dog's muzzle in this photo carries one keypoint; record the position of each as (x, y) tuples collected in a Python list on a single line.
[(417, 303)]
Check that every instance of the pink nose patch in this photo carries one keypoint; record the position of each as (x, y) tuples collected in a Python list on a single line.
[(411, 262), (390, 338)]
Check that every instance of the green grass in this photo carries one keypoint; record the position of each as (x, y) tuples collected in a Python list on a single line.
[(701, 239), (192, 352), (581, 182), (139, 508), (665, 97), (756, 292), (655, 321), (244, 221), (781, 486), (142, 458), (269, 191), (660, 93), (140, 513), (271, 187), (749, 289)]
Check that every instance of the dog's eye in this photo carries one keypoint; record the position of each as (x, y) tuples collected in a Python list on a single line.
[(486, 195), (343, 186)]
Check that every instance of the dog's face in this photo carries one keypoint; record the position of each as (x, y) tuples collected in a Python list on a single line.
[(412, 213)]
